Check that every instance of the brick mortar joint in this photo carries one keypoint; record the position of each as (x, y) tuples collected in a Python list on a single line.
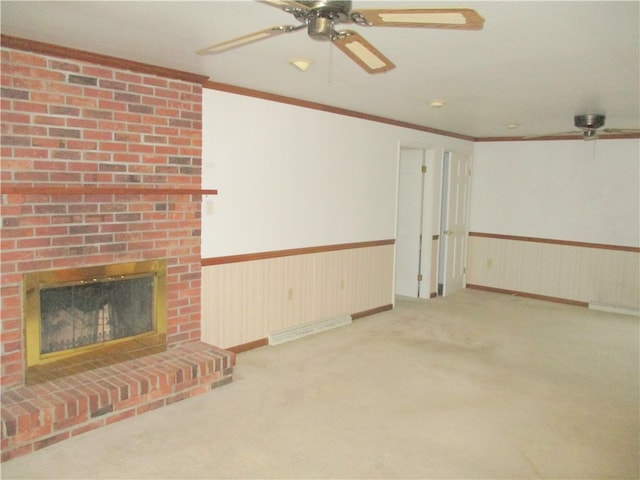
[(174, 394)]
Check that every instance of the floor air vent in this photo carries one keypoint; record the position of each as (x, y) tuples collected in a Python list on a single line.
[(299, 331)]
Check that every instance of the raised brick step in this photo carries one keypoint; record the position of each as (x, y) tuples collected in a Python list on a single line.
[(36, 416)]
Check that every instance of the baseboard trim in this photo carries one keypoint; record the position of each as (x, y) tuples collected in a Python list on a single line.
[(517, 293), (372, 311), (249, 346)]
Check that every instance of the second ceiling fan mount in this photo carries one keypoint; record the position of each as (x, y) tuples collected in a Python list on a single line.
[(589, 127), (321, 17)]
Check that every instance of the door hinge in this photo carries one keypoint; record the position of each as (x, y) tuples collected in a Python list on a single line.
[(419, 277), (424, 169)]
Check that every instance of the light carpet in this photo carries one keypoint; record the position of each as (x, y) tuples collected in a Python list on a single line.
[(475, 385)]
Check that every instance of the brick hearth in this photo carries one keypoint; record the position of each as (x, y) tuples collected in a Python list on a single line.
[(43, 414)]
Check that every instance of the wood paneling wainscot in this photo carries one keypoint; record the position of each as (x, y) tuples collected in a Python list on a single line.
[(247, 297), (573, 272)]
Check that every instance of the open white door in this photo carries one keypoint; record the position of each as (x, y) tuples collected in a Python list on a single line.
[(455, 220), (409, 223)]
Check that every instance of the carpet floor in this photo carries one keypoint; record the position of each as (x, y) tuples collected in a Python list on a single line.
[(475, 385)]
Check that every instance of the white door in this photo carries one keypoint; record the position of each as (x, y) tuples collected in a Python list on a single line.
[(455, 221), (409, 222)]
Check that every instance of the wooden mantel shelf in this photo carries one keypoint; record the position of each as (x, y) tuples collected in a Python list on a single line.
[(53, 190)]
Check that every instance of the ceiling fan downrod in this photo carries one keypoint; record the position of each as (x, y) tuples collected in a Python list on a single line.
[(320, 29)]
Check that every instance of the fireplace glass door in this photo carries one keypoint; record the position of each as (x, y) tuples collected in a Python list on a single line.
[(76, 312), (94, 312)]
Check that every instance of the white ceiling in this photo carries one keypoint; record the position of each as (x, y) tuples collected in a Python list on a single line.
[(536, 64)]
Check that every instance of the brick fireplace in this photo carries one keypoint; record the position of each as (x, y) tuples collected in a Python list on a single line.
[(101, 165)]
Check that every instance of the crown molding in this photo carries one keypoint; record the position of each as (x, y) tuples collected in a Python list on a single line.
[(17, 43), (43, 48), (225, 87)]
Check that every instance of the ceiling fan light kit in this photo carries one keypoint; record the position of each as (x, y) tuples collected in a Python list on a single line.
[(321, 17)]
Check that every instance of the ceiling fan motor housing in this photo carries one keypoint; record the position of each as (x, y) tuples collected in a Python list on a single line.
[(591, 121), (323, 16), (334, 8)]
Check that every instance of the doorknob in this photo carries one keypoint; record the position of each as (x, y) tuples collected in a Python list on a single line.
[(448, 232)]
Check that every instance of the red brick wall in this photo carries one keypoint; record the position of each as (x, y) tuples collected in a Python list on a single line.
[(73, 123)]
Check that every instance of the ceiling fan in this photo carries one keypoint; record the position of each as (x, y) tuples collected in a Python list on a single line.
[(321, 17), (590, 127)]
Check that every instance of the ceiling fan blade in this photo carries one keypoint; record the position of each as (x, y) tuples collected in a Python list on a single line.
[(362, 52), (454, 18), (251, 38)]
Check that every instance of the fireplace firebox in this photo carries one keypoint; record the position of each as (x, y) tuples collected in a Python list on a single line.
[(80, 318)]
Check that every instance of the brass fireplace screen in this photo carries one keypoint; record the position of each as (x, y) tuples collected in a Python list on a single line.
[(78, 310)]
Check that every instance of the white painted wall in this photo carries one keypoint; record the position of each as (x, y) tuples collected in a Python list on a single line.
[(566, 190), (292, 177)]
